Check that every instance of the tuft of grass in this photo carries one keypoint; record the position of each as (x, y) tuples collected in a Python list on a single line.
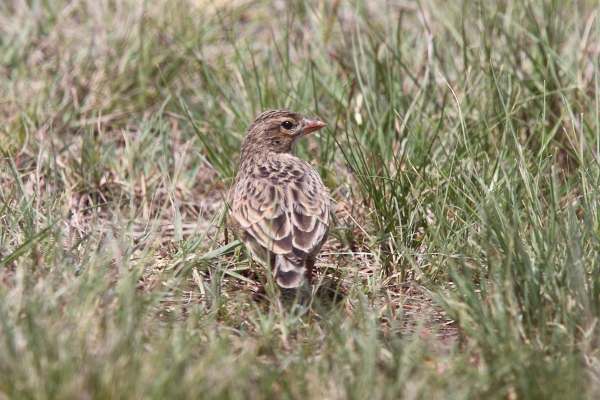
[(462, 156)]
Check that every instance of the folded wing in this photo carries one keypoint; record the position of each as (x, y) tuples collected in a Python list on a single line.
[(287, 218)]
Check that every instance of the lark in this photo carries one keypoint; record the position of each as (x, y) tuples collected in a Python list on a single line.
[(279, 205)]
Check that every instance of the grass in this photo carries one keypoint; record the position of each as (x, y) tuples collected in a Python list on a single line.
[(462, 157)]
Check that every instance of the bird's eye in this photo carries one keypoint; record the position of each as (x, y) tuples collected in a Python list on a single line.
[(287, 125), (276, 142)]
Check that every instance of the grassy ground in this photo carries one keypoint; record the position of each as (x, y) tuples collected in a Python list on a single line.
[(462, 156)]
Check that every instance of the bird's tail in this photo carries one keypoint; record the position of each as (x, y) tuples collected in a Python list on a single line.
[(288, 274)]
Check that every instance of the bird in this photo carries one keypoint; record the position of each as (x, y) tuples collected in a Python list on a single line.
[(279, 206)]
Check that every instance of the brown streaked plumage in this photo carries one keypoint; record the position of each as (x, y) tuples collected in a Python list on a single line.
[(279, 205)]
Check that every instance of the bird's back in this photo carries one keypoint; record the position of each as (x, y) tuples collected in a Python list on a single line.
[(280, 209)]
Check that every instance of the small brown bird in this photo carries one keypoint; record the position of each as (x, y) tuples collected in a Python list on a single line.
[(279, 205)]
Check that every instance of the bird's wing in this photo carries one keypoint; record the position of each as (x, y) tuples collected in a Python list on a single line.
[(259, 206), (290, 219), (308, 204)]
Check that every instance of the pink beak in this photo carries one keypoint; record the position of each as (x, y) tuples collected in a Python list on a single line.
[(312, 125)]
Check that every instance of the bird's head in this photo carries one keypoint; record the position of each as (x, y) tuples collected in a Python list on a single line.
[(277, 131)]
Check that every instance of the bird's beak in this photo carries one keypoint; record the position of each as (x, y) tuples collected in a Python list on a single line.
[(311, 126)]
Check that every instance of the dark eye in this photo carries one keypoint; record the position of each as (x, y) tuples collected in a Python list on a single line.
[(287, 125)]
